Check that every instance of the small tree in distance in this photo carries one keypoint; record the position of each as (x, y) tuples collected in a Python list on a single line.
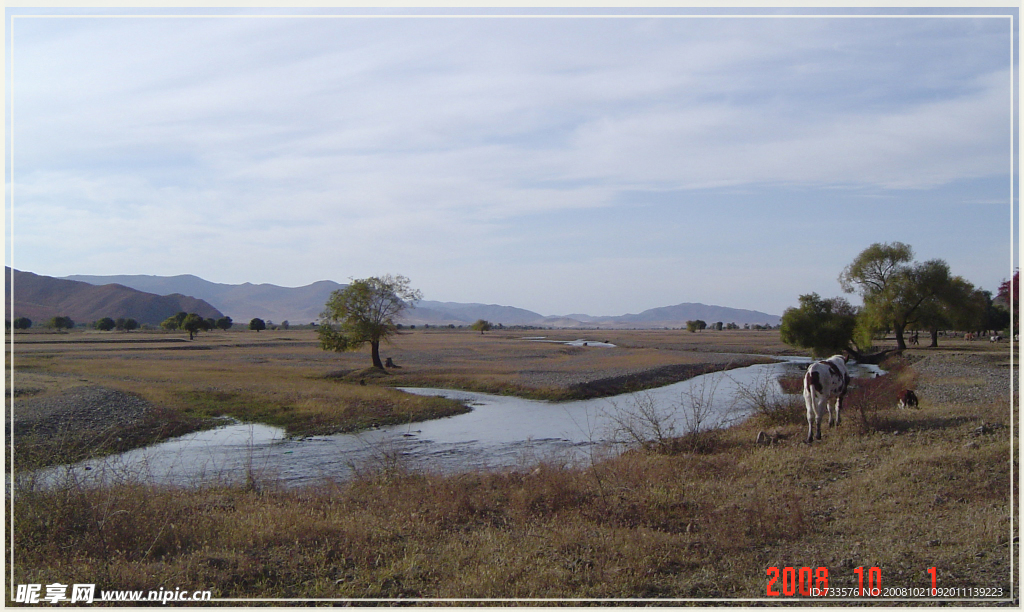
[(224, 323), (105, 324), (365, 312), (481, 326), (257, 324), (193, 324), (22, 323), (60, 323)]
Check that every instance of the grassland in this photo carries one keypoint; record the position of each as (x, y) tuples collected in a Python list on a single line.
[(903, 491)]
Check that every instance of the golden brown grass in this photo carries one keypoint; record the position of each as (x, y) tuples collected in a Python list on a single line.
[(916, 489), (640, 526)]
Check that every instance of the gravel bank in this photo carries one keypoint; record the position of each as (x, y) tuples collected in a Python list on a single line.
[(81, 408), (89, 421), (964, 378)]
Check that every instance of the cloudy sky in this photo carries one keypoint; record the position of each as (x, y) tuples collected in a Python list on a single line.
[(572, 164)]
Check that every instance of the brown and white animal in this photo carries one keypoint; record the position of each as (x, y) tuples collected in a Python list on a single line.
[(908, 399), (824, 381)]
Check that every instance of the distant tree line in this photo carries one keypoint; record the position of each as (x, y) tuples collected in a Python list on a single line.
[(194, 323), (121, 324), (899, 295)]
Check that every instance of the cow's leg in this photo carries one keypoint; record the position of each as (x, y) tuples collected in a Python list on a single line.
[(820, 412), (839, 410), (809, 404)]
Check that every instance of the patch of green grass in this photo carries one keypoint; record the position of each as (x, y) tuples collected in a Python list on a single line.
[(353, 409)]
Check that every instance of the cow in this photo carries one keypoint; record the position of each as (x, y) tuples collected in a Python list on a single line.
[(907, 399), (824, 381)]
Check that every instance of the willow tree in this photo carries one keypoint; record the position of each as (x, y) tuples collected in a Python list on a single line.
[(365, 312), (896, 291)]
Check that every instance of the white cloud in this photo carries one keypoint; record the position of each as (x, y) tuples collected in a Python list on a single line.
[(322, 148)]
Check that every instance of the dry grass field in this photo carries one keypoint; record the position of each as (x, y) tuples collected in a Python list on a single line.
[(903, 491)]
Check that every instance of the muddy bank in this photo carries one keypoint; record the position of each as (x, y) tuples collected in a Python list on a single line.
[(652, 378)]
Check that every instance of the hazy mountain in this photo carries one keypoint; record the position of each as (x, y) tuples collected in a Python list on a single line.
[(240, 302), (457, 313), (42, 297), (304, 304), (692, 312)]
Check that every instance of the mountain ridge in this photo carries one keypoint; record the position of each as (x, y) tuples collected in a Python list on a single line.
[(304, 304), (39, 298)]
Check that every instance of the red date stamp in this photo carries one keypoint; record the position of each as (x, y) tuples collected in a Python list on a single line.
[(813, 582), (791, 581)]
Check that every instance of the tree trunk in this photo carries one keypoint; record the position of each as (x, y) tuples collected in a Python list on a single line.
[(901, 345), (375, 354), (935, 337)]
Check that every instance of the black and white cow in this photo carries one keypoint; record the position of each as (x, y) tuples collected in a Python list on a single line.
[(824, 381)]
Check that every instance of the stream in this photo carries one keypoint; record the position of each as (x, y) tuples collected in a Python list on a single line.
[(500, 432)]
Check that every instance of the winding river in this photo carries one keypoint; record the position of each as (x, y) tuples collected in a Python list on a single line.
[(500, 432)]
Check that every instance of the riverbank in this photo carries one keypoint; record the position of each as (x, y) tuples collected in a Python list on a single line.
[(921, 489), (88, 394)]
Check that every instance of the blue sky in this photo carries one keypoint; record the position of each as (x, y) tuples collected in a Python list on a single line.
[(564, 165)]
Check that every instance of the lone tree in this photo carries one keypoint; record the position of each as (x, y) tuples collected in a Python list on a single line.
[(481, 325), (22, 323), (365, 311), (257, 324), (224, 323)]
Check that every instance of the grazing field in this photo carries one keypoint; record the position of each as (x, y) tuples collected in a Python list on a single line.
[(903, 491), (169, 385)]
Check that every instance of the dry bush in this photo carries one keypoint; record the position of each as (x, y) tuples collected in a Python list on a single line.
[(766, 399), (793, 385), (681, 427), (874, 397)]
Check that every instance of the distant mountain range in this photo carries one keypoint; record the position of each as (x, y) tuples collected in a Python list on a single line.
[(43, 297), (304, 304), (240, 302)]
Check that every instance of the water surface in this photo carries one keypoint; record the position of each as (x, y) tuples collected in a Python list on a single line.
[(499, 432)]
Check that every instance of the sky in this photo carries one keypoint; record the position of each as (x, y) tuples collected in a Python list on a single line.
[(563, 161)]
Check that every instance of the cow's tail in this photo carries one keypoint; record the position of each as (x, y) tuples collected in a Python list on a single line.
[(810, 383)]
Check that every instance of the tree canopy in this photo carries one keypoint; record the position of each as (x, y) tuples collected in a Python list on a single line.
[(481, 325), (257, 324), (59, 323), (897, 291), (193, 324), (105, 324), (365, 312), (826, 326)]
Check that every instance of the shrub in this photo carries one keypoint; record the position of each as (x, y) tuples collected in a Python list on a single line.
[(767, 399), (872, 395)]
